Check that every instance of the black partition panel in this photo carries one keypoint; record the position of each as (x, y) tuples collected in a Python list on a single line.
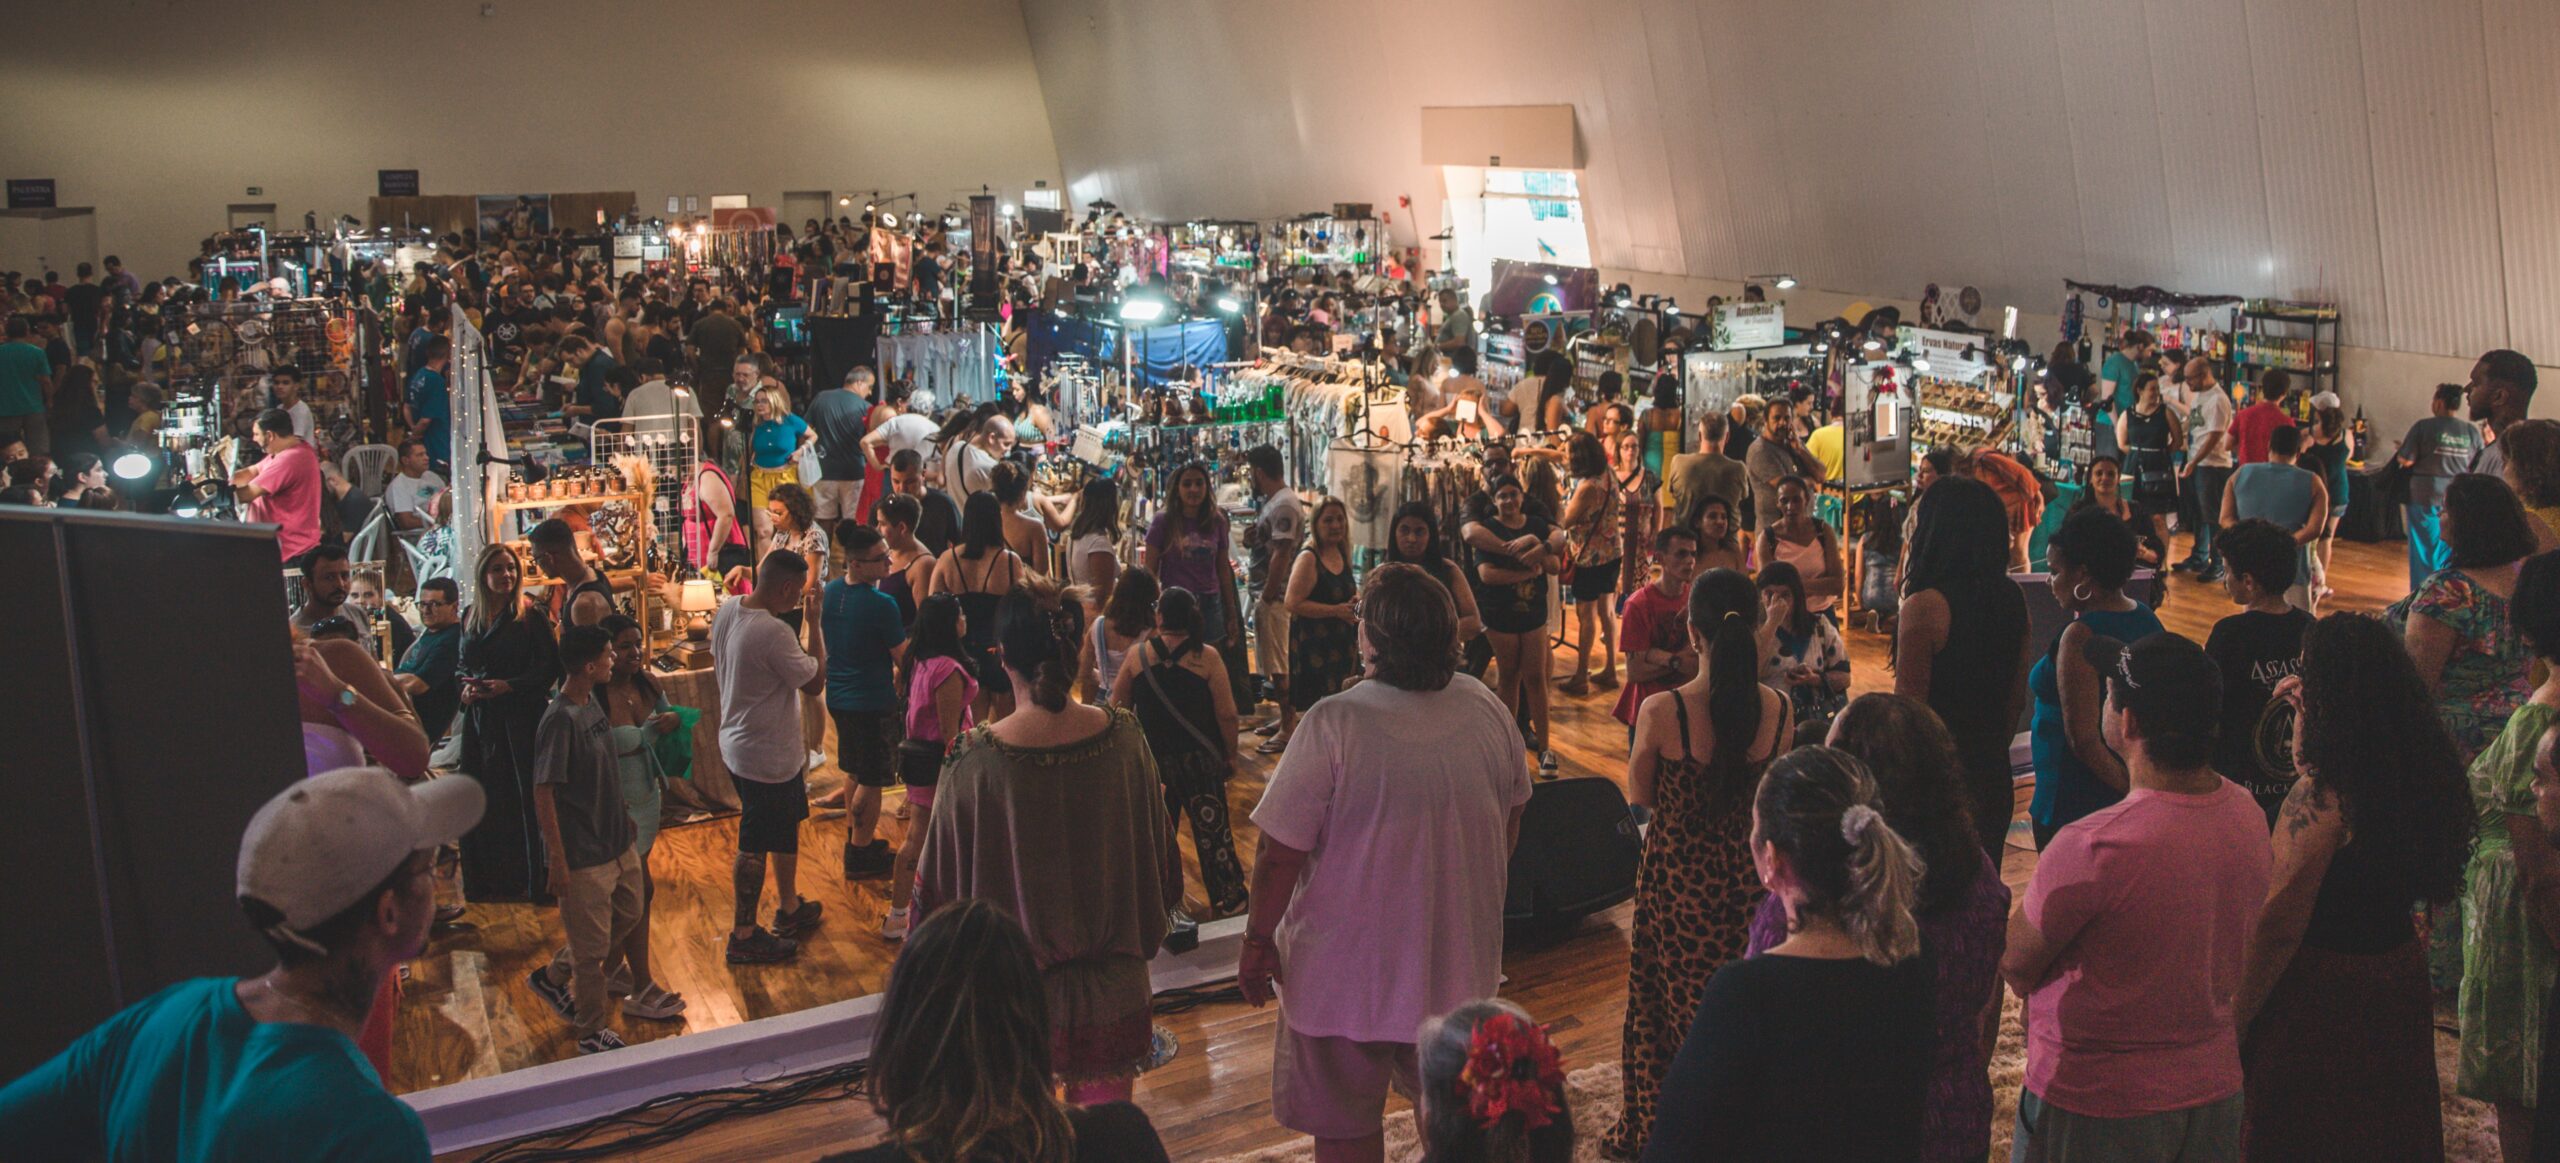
[(146, 710)]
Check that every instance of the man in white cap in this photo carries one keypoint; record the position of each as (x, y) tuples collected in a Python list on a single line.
[(336, 874)]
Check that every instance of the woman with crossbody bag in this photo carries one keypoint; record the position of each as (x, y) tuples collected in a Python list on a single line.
[(938, 697), (1177, 684)]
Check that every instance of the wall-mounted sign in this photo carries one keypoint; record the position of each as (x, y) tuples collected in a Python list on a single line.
[(1739, 326), (31, 193), (396, 183)]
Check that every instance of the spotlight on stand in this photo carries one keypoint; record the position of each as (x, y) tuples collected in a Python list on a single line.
[(1141, 309), (1670, 306), (135, 468)]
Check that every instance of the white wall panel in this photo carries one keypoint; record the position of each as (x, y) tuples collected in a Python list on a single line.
[(2399, 156), (2434, 181), (2314, 147), (2523, 39), (2213, 180)]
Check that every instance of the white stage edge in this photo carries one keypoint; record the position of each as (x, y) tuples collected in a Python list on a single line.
[(542, 1098)]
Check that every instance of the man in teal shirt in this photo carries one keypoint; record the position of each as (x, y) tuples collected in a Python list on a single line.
[(2123, 368), (336, 873), (26, 382)]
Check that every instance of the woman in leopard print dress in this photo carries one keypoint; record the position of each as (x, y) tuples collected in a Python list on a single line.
[(1696, 887)]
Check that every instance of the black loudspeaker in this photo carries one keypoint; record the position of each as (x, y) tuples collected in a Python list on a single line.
[(147, 674), (1577, 855)]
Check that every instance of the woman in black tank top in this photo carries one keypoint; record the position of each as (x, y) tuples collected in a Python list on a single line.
[(1961, 643), (1190, 724)]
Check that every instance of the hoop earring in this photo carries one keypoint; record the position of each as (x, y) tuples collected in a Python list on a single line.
[(2080, 593)]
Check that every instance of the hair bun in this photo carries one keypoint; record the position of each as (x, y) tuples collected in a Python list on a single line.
[(1855, 821)]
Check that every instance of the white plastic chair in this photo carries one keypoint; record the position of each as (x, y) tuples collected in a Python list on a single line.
[(370, 545), (369, 466)]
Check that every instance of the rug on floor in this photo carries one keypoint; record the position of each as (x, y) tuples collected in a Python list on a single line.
[(2470, 1130)]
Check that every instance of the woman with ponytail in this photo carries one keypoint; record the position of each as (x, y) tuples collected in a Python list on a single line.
[(1055, 813), (1492, 1089), (1962, 907), (1697, 754), (1819, 1048)]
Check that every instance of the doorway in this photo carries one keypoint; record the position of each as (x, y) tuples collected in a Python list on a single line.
[(799, 206), (35, 241)]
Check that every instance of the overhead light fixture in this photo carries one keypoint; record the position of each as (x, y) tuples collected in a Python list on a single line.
[(889, 220), (868, 207), (1141, 309), (1783, 282), (844, 200)]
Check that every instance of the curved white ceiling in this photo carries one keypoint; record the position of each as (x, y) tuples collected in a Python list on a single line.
[(2400, 156)]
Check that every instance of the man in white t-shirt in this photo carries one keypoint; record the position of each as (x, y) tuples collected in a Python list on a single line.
[(413, 490), (901, 432), (1386, 846), (284, 390), (2209, 461), (1271, 543), (649, 407), (763, 671)]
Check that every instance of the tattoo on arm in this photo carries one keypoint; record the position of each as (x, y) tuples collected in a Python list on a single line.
[(2305, 805)]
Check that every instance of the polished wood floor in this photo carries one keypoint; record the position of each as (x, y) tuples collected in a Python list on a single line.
[(467, 1011)]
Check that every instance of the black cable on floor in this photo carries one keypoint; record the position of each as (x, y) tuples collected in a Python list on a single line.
[(669, 1117)]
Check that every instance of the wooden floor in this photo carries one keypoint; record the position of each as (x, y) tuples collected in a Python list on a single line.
[(467, 1011)]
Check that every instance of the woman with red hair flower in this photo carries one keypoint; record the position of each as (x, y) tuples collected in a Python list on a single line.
[(1492, 1088)]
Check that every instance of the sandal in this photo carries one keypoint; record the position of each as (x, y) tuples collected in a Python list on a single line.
[(1273, 745), (1579, 684)]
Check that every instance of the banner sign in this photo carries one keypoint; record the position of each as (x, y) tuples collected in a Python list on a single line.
[(396, 183), (1739, 326)]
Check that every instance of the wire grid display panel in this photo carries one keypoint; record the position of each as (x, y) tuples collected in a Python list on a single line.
[(671, 447)]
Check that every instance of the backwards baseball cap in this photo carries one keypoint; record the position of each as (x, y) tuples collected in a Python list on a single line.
[(2326, 400), (322, 844), (2168, 682)]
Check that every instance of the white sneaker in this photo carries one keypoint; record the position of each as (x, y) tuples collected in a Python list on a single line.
[(894, 926), (817, 759)]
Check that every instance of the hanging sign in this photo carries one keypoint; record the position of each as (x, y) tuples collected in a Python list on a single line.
[(31, 193), (396, 183), (1738, 326), (1952, 355)]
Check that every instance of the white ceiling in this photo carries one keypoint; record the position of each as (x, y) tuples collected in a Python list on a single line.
[(2397, 155)]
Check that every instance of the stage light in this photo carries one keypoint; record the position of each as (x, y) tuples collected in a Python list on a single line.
[(1228, 304), (134, 466), (1142, 309)]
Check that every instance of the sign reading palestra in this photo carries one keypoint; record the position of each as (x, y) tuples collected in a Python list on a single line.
[(31, 194)]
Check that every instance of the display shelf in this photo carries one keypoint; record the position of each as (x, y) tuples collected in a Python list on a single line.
[(638, 501)]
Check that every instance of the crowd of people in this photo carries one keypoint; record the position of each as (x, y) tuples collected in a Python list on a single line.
[(2259, 858)]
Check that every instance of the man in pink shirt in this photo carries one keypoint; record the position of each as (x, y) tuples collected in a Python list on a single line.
[(1386, 851), (1653, 630), (2129, 944), (283, 488)]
